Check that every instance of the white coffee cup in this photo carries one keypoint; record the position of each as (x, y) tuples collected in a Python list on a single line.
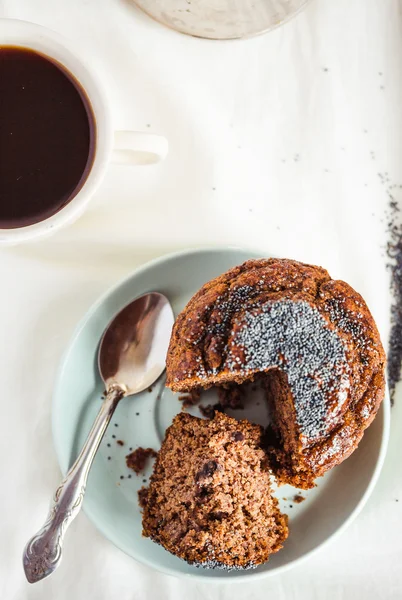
[(123, 147)]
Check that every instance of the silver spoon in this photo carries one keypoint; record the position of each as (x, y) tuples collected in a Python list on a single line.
[(131, 357)]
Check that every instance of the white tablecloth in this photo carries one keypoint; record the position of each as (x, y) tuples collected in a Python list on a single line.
[(275, 143)]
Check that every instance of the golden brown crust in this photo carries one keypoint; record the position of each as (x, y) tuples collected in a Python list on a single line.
[(208, 347)]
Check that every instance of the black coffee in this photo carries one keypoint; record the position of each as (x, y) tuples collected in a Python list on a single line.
[(47, 137)]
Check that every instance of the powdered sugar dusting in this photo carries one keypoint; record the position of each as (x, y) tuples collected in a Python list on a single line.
[(294, 337)]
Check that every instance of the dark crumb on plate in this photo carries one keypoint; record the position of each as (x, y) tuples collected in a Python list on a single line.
[(137, 414), (114, 437), (290, 505), (137, 460), (120, 442), (209, 411), (129, 476), (150, 389), (121, 476), (190, 399), (130, 449), (144, 481), (109, 457), (230, 396), (116, 424), (108, 445), (142, 496), (298, 498)]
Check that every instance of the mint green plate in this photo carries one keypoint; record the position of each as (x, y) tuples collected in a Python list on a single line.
[(111, 502)]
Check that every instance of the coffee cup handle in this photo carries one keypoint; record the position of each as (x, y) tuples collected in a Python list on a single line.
[(138, 148)]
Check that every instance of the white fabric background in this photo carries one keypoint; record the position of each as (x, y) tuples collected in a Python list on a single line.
[(291, 129)]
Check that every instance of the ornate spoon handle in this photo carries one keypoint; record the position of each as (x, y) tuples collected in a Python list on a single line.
[(42, 554)]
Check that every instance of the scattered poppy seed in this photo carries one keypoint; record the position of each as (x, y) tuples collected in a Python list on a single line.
[(394, 254)]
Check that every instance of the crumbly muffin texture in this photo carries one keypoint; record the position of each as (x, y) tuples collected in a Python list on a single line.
[(314, 340), (209, 500)]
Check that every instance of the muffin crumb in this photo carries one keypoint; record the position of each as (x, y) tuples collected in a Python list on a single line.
[(138, 459), (190, 399)]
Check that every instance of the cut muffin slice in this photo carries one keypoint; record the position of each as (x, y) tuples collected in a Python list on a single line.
[(209, 501)]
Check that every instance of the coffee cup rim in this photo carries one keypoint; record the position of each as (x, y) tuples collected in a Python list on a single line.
[(25, 34)]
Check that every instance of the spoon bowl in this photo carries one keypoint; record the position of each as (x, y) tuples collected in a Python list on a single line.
[(133, 348)]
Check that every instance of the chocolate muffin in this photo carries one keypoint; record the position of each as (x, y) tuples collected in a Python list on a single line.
[(314, 340), (209, 500)]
